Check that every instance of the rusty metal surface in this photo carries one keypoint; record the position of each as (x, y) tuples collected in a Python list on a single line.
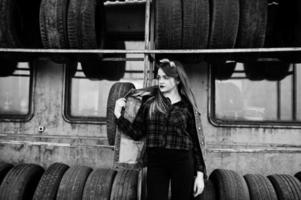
[(264, 150), (61, 141), (261, 149)]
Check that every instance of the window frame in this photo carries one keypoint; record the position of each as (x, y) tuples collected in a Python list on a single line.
[(67, 104), (27, 117), (245, 123)]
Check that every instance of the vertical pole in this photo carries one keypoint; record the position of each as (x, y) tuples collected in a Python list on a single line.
[(294, 93), (278, 88), (146, 81)]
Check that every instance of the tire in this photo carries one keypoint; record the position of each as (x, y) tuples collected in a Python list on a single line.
[(125, 185), (297, 36), (252, 24), (72, 183), (269, 70), (8, 67), (260, 187), (287, 187), (282, 21), (96, 69), (276, 70), (50, 181), (53, 23), (229, 185), (53, 27), (21, 182), (209, 192), (4, 169), (272, 23), (114, 70), (298, 176), (222, 33), (195, 27), (117, 91), (99, 184), (19, 24), (254, 72), (92, 67), (168, 24), (84, 32), (223, 71)]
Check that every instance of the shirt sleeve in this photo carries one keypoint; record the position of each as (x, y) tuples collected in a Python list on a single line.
[(136, 129), (197, 153)]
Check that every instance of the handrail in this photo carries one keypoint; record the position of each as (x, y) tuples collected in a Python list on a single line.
[(158, 51)]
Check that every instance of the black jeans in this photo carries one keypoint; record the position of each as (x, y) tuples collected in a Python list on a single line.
[(170, 166)]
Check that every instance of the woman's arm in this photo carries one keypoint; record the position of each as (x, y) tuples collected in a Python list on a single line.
[(134, 130)]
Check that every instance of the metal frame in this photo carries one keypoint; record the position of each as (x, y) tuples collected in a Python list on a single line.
[(239, 123), (27, 117)]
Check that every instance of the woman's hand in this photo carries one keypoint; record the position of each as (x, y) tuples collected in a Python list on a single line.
[(198, 184), (119, 104)]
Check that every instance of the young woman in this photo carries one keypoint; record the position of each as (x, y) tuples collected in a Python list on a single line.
[(172, 146)]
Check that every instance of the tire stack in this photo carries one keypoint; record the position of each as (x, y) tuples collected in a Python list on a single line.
[(59, 24), (61, 182), (215, 24)]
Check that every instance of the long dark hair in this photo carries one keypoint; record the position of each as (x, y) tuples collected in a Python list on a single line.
[(173, 69)]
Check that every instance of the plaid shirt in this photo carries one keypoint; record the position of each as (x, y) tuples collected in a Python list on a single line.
[(176, 130)]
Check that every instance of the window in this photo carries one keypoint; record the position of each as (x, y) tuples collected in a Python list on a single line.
[(15, 92), (86, 99), (242, 100)]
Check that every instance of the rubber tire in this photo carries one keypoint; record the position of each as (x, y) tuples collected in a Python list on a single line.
[(298, 176), (287, 187), (229, 185), (95, 68), (195, 28), (252, 24), (254, 72), (117, 91), (260, 187), (21, 182), (276, 71), (92, 67), (125, 185), (209, 192), (50, 181), (73, 182), (53, 27), (84, 32), (168, 24), (282, 21), (99, 184), (19, 24), (222, 33), (8, 67), (223, 71), (53, 23), (114, 70), (269, 70), (4, 169), (272, 23)]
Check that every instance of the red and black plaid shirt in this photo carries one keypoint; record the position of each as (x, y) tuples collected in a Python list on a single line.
[(174, 130)]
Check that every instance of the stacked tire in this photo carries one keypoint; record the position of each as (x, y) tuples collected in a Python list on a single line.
[(59, 181), (215, 24)]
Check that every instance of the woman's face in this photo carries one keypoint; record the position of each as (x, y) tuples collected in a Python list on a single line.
[(166, 83)]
